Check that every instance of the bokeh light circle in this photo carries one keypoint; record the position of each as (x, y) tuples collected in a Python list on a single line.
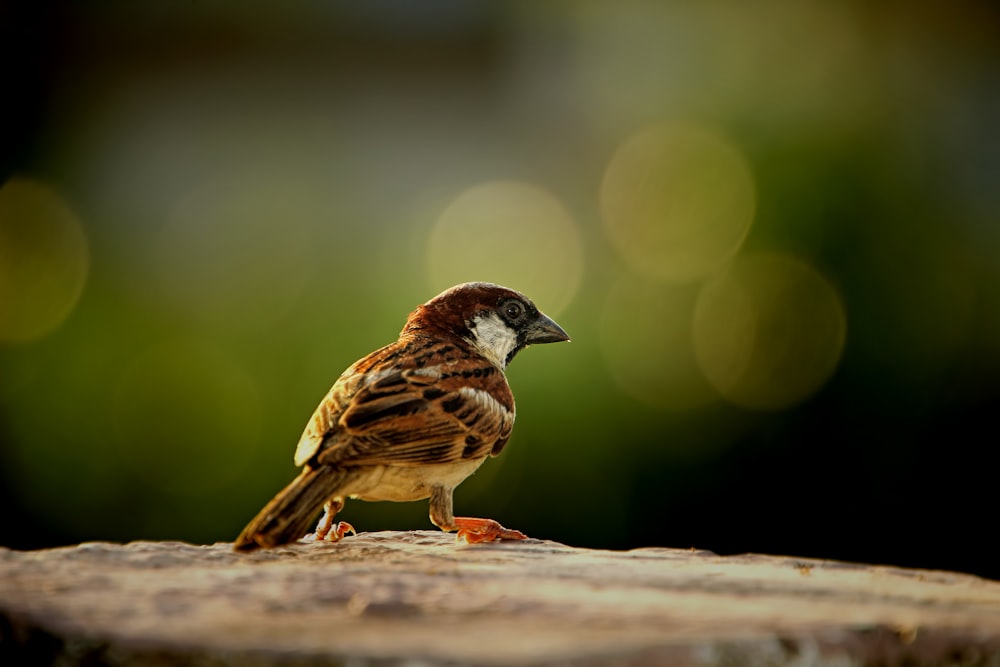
[(515, 234), (768, 332), (186, 417), (646, 340), (44, 260), (677, 201)]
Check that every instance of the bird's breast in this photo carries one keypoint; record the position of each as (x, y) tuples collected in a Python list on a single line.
[(406, 483)]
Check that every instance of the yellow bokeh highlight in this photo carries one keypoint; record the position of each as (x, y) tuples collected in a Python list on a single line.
[(44, 260), (677, 201), (768, 332), (515, 234), (186, 417), (645, 333)]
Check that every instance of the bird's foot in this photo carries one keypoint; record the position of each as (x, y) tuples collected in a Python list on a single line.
[(473, 531), (334, 532)]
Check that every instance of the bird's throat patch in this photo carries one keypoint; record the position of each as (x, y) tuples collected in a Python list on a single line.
[(494, 339)]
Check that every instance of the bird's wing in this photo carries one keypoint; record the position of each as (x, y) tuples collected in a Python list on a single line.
[(324, 419), (439, 406)]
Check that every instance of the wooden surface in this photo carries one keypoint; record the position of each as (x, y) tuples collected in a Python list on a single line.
[(421, 599)]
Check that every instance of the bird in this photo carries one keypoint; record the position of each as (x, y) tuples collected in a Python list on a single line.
[(412, 420)]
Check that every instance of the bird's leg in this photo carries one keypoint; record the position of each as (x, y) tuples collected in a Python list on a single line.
[(325, 529), (470, 530)]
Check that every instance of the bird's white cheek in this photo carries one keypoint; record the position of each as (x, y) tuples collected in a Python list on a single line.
[(493, 338)]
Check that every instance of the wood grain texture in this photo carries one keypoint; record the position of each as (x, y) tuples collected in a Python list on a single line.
[(419, 598)]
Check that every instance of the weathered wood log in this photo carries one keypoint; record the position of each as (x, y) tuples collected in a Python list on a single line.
[(421, 599)]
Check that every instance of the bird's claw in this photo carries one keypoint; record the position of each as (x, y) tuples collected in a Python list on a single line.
[(474, 531), (335, 532)]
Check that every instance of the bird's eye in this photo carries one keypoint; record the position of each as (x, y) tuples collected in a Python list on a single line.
[(513, 309)]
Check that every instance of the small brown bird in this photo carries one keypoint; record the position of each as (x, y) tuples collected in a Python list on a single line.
[(413, 419)]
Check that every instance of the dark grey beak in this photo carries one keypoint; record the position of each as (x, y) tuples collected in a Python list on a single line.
[(544, 330)]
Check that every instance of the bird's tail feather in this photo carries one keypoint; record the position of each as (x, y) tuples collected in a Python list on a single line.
[(290, 513)]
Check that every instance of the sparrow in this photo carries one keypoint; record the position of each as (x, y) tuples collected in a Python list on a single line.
[(412, 419)]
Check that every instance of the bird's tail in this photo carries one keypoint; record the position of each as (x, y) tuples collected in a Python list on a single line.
[(290, 513)]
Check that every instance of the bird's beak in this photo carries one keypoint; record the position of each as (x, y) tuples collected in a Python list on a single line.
[(545, 330)]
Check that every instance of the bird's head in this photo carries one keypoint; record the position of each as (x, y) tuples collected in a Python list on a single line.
[(495, 320)]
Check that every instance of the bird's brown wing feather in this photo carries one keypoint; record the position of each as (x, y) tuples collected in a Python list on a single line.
[(436, 404)]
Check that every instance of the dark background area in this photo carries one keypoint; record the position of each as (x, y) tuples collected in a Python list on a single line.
[(770, 228)]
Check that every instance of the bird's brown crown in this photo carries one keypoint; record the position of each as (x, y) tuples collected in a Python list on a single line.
[(451, 311)]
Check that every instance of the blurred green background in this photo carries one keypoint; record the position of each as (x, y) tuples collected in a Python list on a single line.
[(771, 229)]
